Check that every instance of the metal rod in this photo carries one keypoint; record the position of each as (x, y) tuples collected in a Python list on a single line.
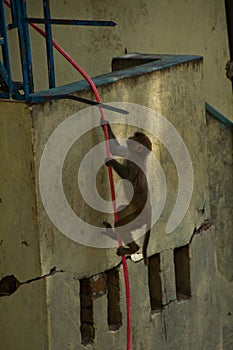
[(41, 98), (23, 48), (28, 46), (5, 51), (49, 45), (69, 22)]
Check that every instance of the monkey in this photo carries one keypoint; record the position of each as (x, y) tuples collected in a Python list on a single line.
[(133, 169)]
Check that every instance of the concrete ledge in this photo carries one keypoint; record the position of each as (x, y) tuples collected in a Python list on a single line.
[(156, 63)]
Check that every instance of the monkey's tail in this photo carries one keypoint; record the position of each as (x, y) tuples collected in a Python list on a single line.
[(145, 244)]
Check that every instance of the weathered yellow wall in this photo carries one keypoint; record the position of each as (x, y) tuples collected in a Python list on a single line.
[(220, 168), (163, 91), (200, 28), (175, 27), (177, 93), (23, 322), (31, 246)]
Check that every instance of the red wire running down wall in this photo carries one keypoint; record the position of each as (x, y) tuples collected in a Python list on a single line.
[(91, 83)]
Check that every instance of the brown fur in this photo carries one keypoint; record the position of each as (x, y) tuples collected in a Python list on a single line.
[(131, 171)]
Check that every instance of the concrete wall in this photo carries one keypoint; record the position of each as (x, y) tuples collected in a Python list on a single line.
[(23, 322), (148, 90), (220, 168), (175, 27), (34, 251), (177, 93)]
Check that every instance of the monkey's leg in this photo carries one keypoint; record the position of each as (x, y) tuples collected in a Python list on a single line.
[(126, 236), (133, 248)]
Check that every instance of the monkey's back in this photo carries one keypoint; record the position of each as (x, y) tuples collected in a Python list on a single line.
[(137, 177)]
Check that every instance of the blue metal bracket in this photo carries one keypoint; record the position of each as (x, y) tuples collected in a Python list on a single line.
[(25, 90)]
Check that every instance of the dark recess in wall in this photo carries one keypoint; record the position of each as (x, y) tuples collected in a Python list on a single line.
[(154, 281), (182, 272), (114, 311), (95, 287), (86, 312)]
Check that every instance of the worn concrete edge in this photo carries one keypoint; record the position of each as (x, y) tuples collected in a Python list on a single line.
[(112, 77), (217, 115), (140, 55)]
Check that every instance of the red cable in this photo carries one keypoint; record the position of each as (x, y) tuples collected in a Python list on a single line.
[(113, 195)]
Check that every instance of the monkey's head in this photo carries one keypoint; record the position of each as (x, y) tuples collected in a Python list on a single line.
[(141, 142)]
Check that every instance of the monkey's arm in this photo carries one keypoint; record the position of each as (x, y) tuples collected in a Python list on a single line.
[(115, 147), (120, 169), (110, 132)]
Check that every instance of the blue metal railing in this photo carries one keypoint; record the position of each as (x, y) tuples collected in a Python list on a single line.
[(49, 45), (20, 21), (5, 71), (217, 115)]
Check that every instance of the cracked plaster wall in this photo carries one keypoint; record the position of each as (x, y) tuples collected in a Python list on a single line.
[(23, 321), (220, 168), (177, 93)]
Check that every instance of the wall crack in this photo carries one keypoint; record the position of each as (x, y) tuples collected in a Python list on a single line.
[(9, 284), (204, 227)]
